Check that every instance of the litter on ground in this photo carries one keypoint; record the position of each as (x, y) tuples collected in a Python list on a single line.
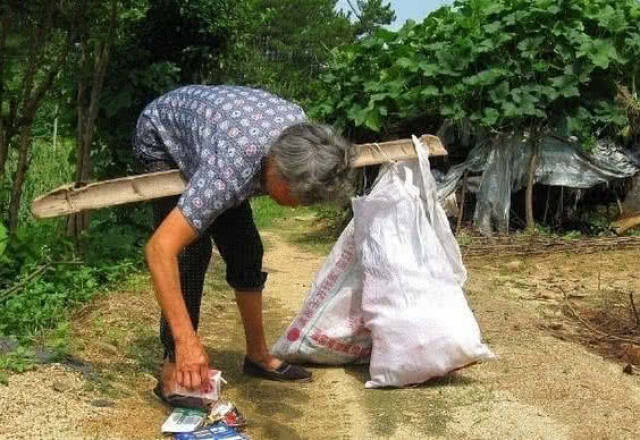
[(218, 431), (184, 420), (221, 420), (209, 398)]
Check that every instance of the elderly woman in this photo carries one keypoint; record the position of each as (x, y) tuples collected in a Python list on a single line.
[(230, 143)]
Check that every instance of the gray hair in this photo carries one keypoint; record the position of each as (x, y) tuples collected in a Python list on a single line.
[(315, 161)]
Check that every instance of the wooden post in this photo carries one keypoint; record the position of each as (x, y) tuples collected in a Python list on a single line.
[(533, 166), (546, 206), (24, 147), (560, 208), (462, 197)]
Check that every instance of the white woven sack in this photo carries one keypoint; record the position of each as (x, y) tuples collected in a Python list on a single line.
[(329, 329), (413, 304)]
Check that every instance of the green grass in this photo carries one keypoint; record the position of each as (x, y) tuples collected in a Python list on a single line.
[(266, 212), (319, 240), (313, 228), (36, 313), (49, 169)]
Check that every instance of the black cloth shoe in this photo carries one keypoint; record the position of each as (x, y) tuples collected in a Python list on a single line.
[(284, 373)]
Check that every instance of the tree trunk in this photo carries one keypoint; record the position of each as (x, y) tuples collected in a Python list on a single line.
[(5, 19), (78, 222), (44, 62), (462, 200), (24, 146), (559, 217), (86, 116), (4, 150), (533, 166), (54, 135)]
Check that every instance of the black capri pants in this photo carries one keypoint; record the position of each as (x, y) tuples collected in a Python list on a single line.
[(238, 241)]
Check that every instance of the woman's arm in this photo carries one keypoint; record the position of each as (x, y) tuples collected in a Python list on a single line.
[(162, 250)]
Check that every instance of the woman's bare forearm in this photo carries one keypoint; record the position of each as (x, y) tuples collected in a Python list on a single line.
[(167, 242), (161, 252), (166, 282)]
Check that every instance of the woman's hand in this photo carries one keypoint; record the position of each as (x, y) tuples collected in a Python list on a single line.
[(192, 364), (162, 250)]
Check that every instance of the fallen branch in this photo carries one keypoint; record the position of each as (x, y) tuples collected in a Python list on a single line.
[(635, 311), (37, 273), (591, 328), (527, 246), (33, 275)]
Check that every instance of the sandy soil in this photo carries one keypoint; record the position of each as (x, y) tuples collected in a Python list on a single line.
[(543, 386)]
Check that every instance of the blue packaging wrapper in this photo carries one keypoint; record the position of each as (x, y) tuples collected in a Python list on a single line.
[(218, 431)]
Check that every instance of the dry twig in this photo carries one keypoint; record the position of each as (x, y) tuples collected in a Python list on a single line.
[(544, 245), (591, 328), (37, 273), (635, 311), (33, 275)]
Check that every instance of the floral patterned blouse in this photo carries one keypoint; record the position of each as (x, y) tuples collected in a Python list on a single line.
[(217, 136)]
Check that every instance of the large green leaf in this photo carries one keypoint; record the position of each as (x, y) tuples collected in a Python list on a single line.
[(510, 19), (429, 69), (379, 97), (491, 116), (372, 120), (510, 110), (492, 28), (610, 19), (531, 47), (566, 85), (429, 91), (550, 92), (632, 42), (608, 112), (409, 64), (565, 51), (357, 114), (500, 93), (554, 9), (453, 111), (580, 70), (577, 122), (485, 78), (601, 52), (526, 102)]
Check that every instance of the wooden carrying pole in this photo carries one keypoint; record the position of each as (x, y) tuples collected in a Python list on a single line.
[(70, 199)]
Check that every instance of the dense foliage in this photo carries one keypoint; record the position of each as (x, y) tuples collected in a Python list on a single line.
[(501, 64), (81, 71), (278, 45), (38, 289)]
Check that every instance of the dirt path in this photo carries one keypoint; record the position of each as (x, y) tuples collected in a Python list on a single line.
[(542, 387)]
